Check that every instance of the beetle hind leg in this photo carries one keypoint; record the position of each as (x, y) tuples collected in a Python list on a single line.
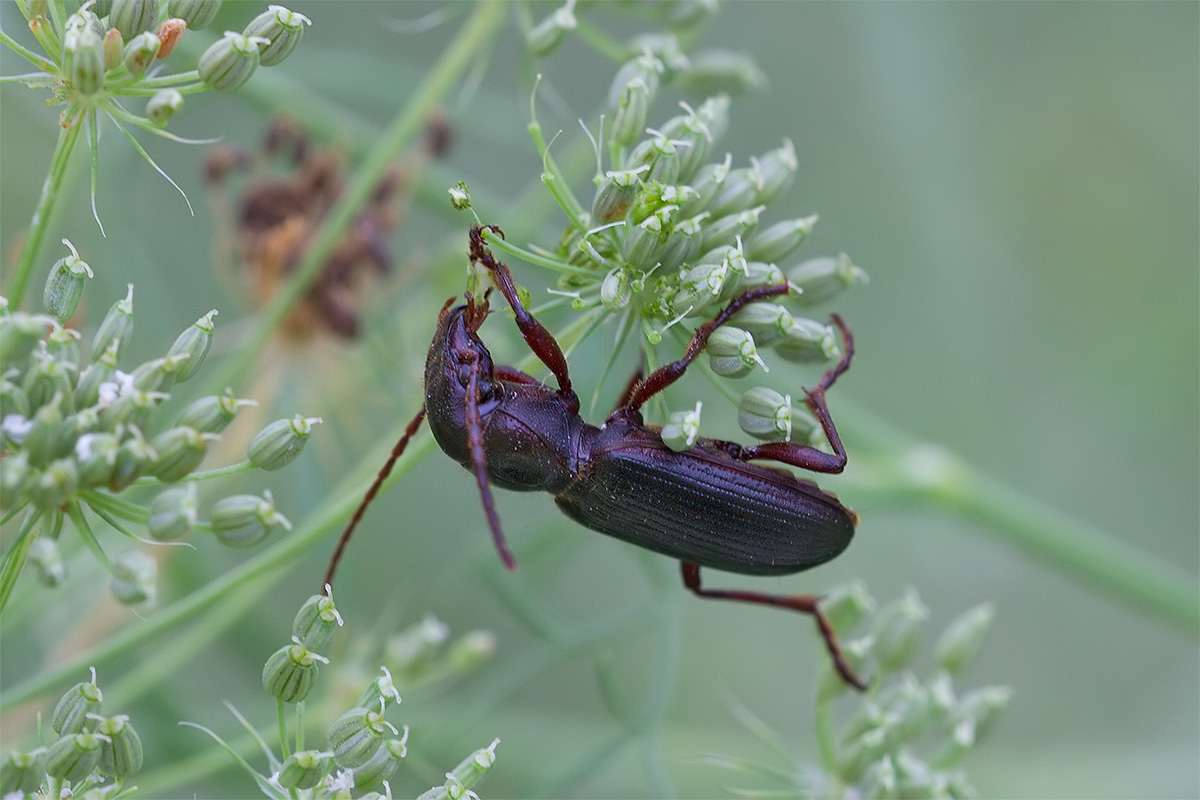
[(804, 603)]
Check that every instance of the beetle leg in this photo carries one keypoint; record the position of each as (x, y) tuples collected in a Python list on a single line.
[(667, 374), (540, 341), (479, 460), (804, 603), (514, 375), (804, 456), (397, 451)]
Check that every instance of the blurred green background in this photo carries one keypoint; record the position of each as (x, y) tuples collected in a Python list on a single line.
[(1021, 182)]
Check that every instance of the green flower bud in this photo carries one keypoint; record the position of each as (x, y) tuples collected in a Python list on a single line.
[(158, 375), (721, 71), (244, 520), (629, 119), (121, 755), (40, 441), (982, 708), (846, 605), (64, 286), (281, 29), (897, 631), (141, 52), (708, 183), (196, 13), (212, 414), (467, 774), (71, 712), (133, 578), (305, 769), (682, 244), (693, 140), (172, 513), (132, 17), (738, 193), (22, 773), (15, 476), (767, 322), (962, 640), (728, 229), (114, 49), (548, 34), (230, 61), (291, 671), (776, 170), (278, 444), (382, 765), (194, 343), (117, 325), (12, 400), (659, 153), (807, 342), (380, 692), (162, 105), (617, 194), (315, 623), (356, 735), (766, 414), (700, 287), (131, 407), (83, 57), (96, 455), (46, 558), (49, 381), (682, 429), (644, 240), (20, 333), (731, 352), (63, 345), (644, 68), (179, 451), (821, 279), (55, 485), (778, 241), (73, 757), (100, 371), (615, 291), (134, 457)]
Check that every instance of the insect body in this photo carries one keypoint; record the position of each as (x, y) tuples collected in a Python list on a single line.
[(708, 506)]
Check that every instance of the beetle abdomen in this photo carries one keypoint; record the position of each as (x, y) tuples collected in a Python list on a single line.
[(704, 507)]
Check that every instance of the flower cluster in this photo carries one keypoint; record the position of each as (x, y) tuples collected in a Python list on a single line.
[(907, 736), (364, 749), (77, 431), (93, 754), (674, 232)]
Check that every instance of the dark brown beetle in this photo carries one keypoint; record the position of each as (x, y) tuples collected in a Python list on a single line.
[(708, 506)]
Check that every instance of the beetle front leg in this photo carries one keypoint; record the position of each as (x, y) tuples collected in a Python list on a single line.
[(479, 460), (804, 603)]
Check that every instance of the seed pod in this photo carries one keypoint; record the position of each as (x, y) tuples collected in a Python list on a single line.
[(133, 579), (71, 712), (230, 61), (822, 279), (162, 105), (682, 429), (141, 52), (732, 353), (278, 444), (617, 195), (55, 485), (776, 170), (172, 513), (315, 623), (766, 414), (64, 286), (117, 325), (132, 17), (382, 765), (776, 242), (280, 30), (380, 692), (290, 672), (212, 414), (807, 342), (766, 322), (962, 640), (244, 520), (196, 13), (356, 735), (47, 561), (73, 757), (22, 772), (121, 755), (305, 769), (544, 37)]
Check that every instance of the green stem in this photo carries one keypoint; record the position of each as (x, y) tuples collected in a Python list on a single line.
[(281, 719), (40, 221), (14, 559), (407, 125)]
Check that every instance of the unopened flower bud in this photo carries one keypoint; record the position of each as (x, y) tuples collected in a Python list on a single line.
[(141, 52), (305, 769), (158, 375), (660, 154), (230, 61), (682, 244), (134, 457), (382, 765), (738, 193), (290, 672), (629, 118), (845, 605), (83, 51), (380, 690), (767, 322), (196, 13), (134, 577), (22, 772), (807, 342), (282, 29), (162, 105), (960, 643), (682, 429), (776, 242), (356, 735), (117, 325), (898, 631), (96, 455), (244, 520), (131, 407), (316, 621), (71, 712), (732, 353), (132, 17), (278, 444), (47, 561), (172, 513), (776, 170), (548, 34), (644, 240), (821, 279), (178, 452), (728, 229), (708, 183), (63, 345), (121, 754), (617, 195), (48, 381), (73, 757), (471, 769), (766, 414), (55, 485), (700, 286), (64, 287), (615, 291), (12, 399), (644, 68), (722, 71), (212, 414)]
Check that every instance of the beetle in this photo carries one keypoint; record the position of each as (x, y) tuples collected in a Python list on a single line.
[(709, 506)]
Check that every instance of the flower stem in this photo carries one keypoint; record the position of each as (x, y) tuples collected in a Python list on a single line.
[(40, 222)]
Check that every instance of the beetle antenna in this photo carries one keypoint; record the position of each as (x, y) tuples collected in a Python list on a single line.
[(479, 460), (397, 451)]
